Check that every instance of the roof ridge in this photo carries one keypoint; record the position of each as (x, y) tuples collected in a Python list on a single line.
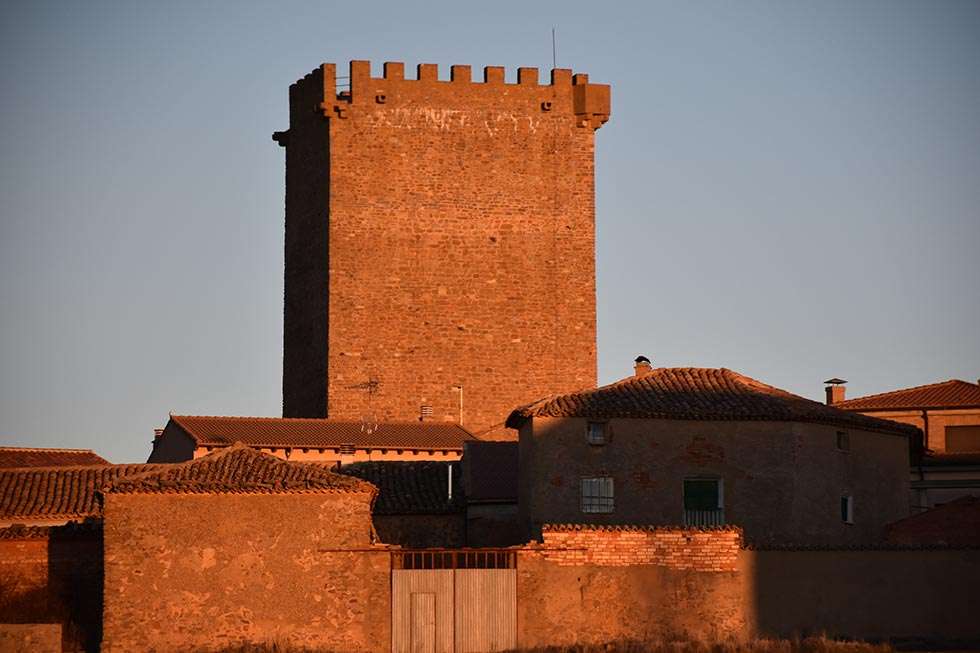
[(909, 389), (328, 420)]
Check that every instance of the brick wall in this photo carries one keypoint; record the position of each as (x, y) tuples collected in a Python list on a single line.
[(674, 548), (439, 234), (205, 571), (53, 575)]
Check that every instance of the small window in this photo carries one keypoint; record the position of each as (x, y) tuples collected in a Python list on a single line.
[(595, 433), (703, 502), (597, 494), (847, 509), (843, 441)]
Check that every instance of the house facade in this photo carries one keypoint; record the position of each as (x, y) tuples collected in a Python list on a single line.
[(711, 447), (334, 442), (947, 466)]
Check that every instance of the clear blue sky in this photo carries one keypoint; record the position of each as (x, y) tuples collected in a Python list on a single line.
[(788, 189)]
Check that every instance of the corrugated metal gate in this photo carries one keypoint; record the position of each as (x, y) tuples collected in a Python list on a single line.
[(461, 601)]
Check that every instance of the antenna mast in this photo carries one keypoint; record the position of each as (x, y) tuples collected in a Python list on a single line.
[(554, 49)]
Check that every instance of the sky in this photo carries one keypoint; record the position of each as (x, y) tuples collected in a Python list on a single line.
[(787, 189)]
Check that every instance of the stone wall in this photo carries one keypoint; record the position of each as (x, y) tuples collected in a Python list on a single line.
[(424, 210), (30, 638), (203, 571), (782, 481), (53, 575)]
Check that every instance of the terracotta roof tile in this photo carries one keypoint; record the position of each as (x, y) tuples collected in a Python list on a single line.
[(277, 432), (57, 493), (45, 457), (947, 394), (238, 469), (956, 523), (491, 471), (692, 393), (411, 488)]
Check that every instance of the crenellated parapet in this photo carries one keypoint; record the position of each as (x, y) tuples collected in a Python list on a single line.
[(341, 96)]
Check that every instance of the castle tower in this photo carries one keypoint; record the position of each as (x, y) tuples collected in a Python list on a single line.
[(440, 243)]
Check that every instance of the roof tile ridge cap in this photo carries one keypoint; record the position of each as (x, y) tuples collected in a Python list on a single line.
[(166, 467), (756, 384), (901, 390)]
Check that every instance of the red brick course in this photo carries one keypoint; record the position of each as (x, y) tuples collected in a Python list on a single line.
[(676, 548), (438, 234)]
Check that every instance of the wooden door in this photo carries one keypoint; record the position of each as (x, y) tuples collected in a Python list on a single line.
[(486, 610), (422, 610), (423, 625)]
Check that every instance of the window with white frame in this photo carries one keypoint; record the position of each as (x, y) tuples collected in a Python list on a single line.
[(595, 433), (847, 509), (597, 494)]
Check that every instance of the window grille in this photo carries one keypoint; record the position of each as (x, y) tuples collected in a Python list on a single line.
[(704, 503), (597, 494), (595, 433), (455, 559)]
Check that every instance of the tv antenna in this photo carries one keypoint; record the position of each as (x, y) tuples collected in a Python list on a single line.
[(554, 49)]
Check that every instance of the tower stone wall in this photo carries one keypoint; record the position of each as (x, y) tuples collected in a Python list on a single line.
[(440, 242)]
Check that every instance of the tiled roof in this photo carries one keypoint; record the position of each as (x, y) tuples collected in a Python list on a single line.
[(44, 457), (238, 469), (692, 393), (947, 394), (491, 471), (320, 433), (57, 493), (411, 488), (956, 523)]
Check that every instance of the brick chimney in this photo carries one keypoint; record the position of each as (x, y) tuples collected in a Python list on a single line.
[(641, 366), (835, 390)]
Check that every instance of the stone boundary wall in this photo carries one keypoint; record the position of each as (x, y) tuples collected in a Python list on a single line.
[(707, 550)]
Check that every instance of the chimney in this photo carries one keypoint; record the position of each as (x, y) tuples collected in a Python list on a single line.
[(641, 366), (835, 390)]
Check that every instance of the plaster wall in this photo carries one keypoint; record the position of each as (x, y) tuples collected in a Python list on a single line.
[(205, 571), (782, 481)]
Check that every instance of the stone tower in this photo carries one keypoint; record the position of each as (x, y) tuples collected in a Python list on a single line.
[(440, 243)]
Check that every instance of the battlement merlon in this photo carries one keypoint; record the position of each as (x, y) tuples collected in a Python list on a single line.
[(336, 96)]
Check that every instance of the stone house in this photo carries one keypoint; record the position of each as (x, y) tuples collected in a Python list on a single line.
[(241, 546), (335, 442), (947, 464), (708, 447)]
